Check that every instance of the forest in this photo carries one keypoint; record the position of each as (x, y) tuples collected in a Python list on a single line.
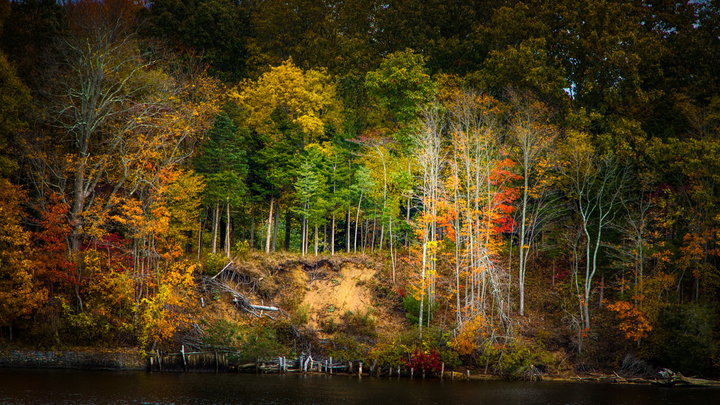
[(535, 182)]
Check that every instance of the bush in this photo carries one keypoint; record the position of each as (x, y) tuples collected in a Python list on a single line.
[(250, 342), (300, 315), (389, 353), (432, 339), (683, 339), (356, 324), (214, 262), (515, 360), (412, 308), (348, 348), (425, 360)]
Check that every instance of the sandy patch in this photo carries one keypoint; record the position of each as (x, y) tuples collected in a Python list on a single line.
[(338, 293)]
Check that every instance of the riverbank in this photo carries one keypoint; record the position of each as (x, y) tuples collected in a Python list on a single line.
[(81, 359), (128, 359)]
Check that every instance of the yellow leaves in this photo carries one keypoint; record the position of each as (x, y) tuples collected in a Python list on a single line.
[(307, 97), (171, 309), (19, 294)]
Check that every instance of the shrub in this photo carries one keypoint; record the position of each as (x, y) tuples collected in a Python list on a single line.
[(359, 324), (425, 360), (683, 339), (514, 360), (300, 315), (389, 353), (250, 342), (412, 308), (213, 263), (433, 338), (348, 348)]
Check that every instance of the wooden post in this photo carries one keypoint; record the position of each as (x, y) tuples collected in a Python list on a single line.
[(442, 370), (360, 370), (412, 372), (468, 374), (217, 365), (182, 353), (330, 364), (159, 360)]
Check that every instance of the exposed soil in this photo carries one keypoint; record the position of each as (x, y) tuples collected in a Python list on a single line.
[(340, 292)]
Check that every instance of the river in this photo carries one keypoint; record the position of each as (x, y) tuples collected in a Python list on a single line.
[(100, 387)]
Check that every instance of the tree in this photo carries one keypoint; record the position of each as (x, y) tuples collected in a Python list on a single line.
[(223, 162), (402, 86), (429, 153), (288, 108), (20, 293), (480, 180), (215, 30), (311, 189), (114, 124), (595, 184), (532, 138), (16, 101)]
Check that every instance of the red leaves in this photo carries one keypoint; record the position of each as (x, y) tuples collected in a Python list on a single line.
[(503, 199), (428, 360), (56, 268)]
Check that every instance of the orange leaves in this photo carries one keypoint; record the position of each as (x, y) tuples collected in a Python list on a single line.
[(467, 341), (633, 322)]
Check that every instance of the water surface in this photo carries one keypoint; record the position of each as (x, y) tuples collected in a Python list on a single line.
[(97, 387)]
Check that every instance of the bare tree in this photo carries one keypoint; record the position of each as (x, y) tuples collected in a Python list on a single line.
[(596, 184), (532, 138), (429, 155)]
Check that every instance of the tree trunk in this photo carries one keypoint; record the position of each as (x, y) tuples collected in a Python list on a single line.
[(269, 225), (227, 230), (288, 229), (523, 252), (316, 240), (216, 226), (252, 226), (200, 236), (303, 244), (347, 232), (357, 220), (276, 225), (332, 236)]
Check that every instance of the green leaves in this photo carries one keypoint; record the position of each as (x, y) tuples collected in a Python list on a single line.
[(223, 162), (401, 85)]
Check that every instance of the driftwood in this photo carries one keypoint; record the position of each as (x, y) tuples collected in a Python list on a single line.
[(672, 379), (667, 378), (239, 299)]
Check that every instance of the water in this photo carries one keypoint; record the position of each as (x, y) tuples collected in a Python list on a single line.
[(85, 387)]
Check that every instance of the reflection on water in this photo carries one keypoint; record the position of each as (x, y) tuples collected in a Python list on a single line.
[(84, 387)]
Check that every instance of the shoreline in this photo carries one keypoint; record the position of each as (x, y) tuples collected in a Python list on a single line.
[(128, 359), (79, 359)]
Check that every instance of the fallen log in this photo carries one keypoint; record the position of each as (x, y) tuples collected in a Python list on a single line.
[(679, 380)]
